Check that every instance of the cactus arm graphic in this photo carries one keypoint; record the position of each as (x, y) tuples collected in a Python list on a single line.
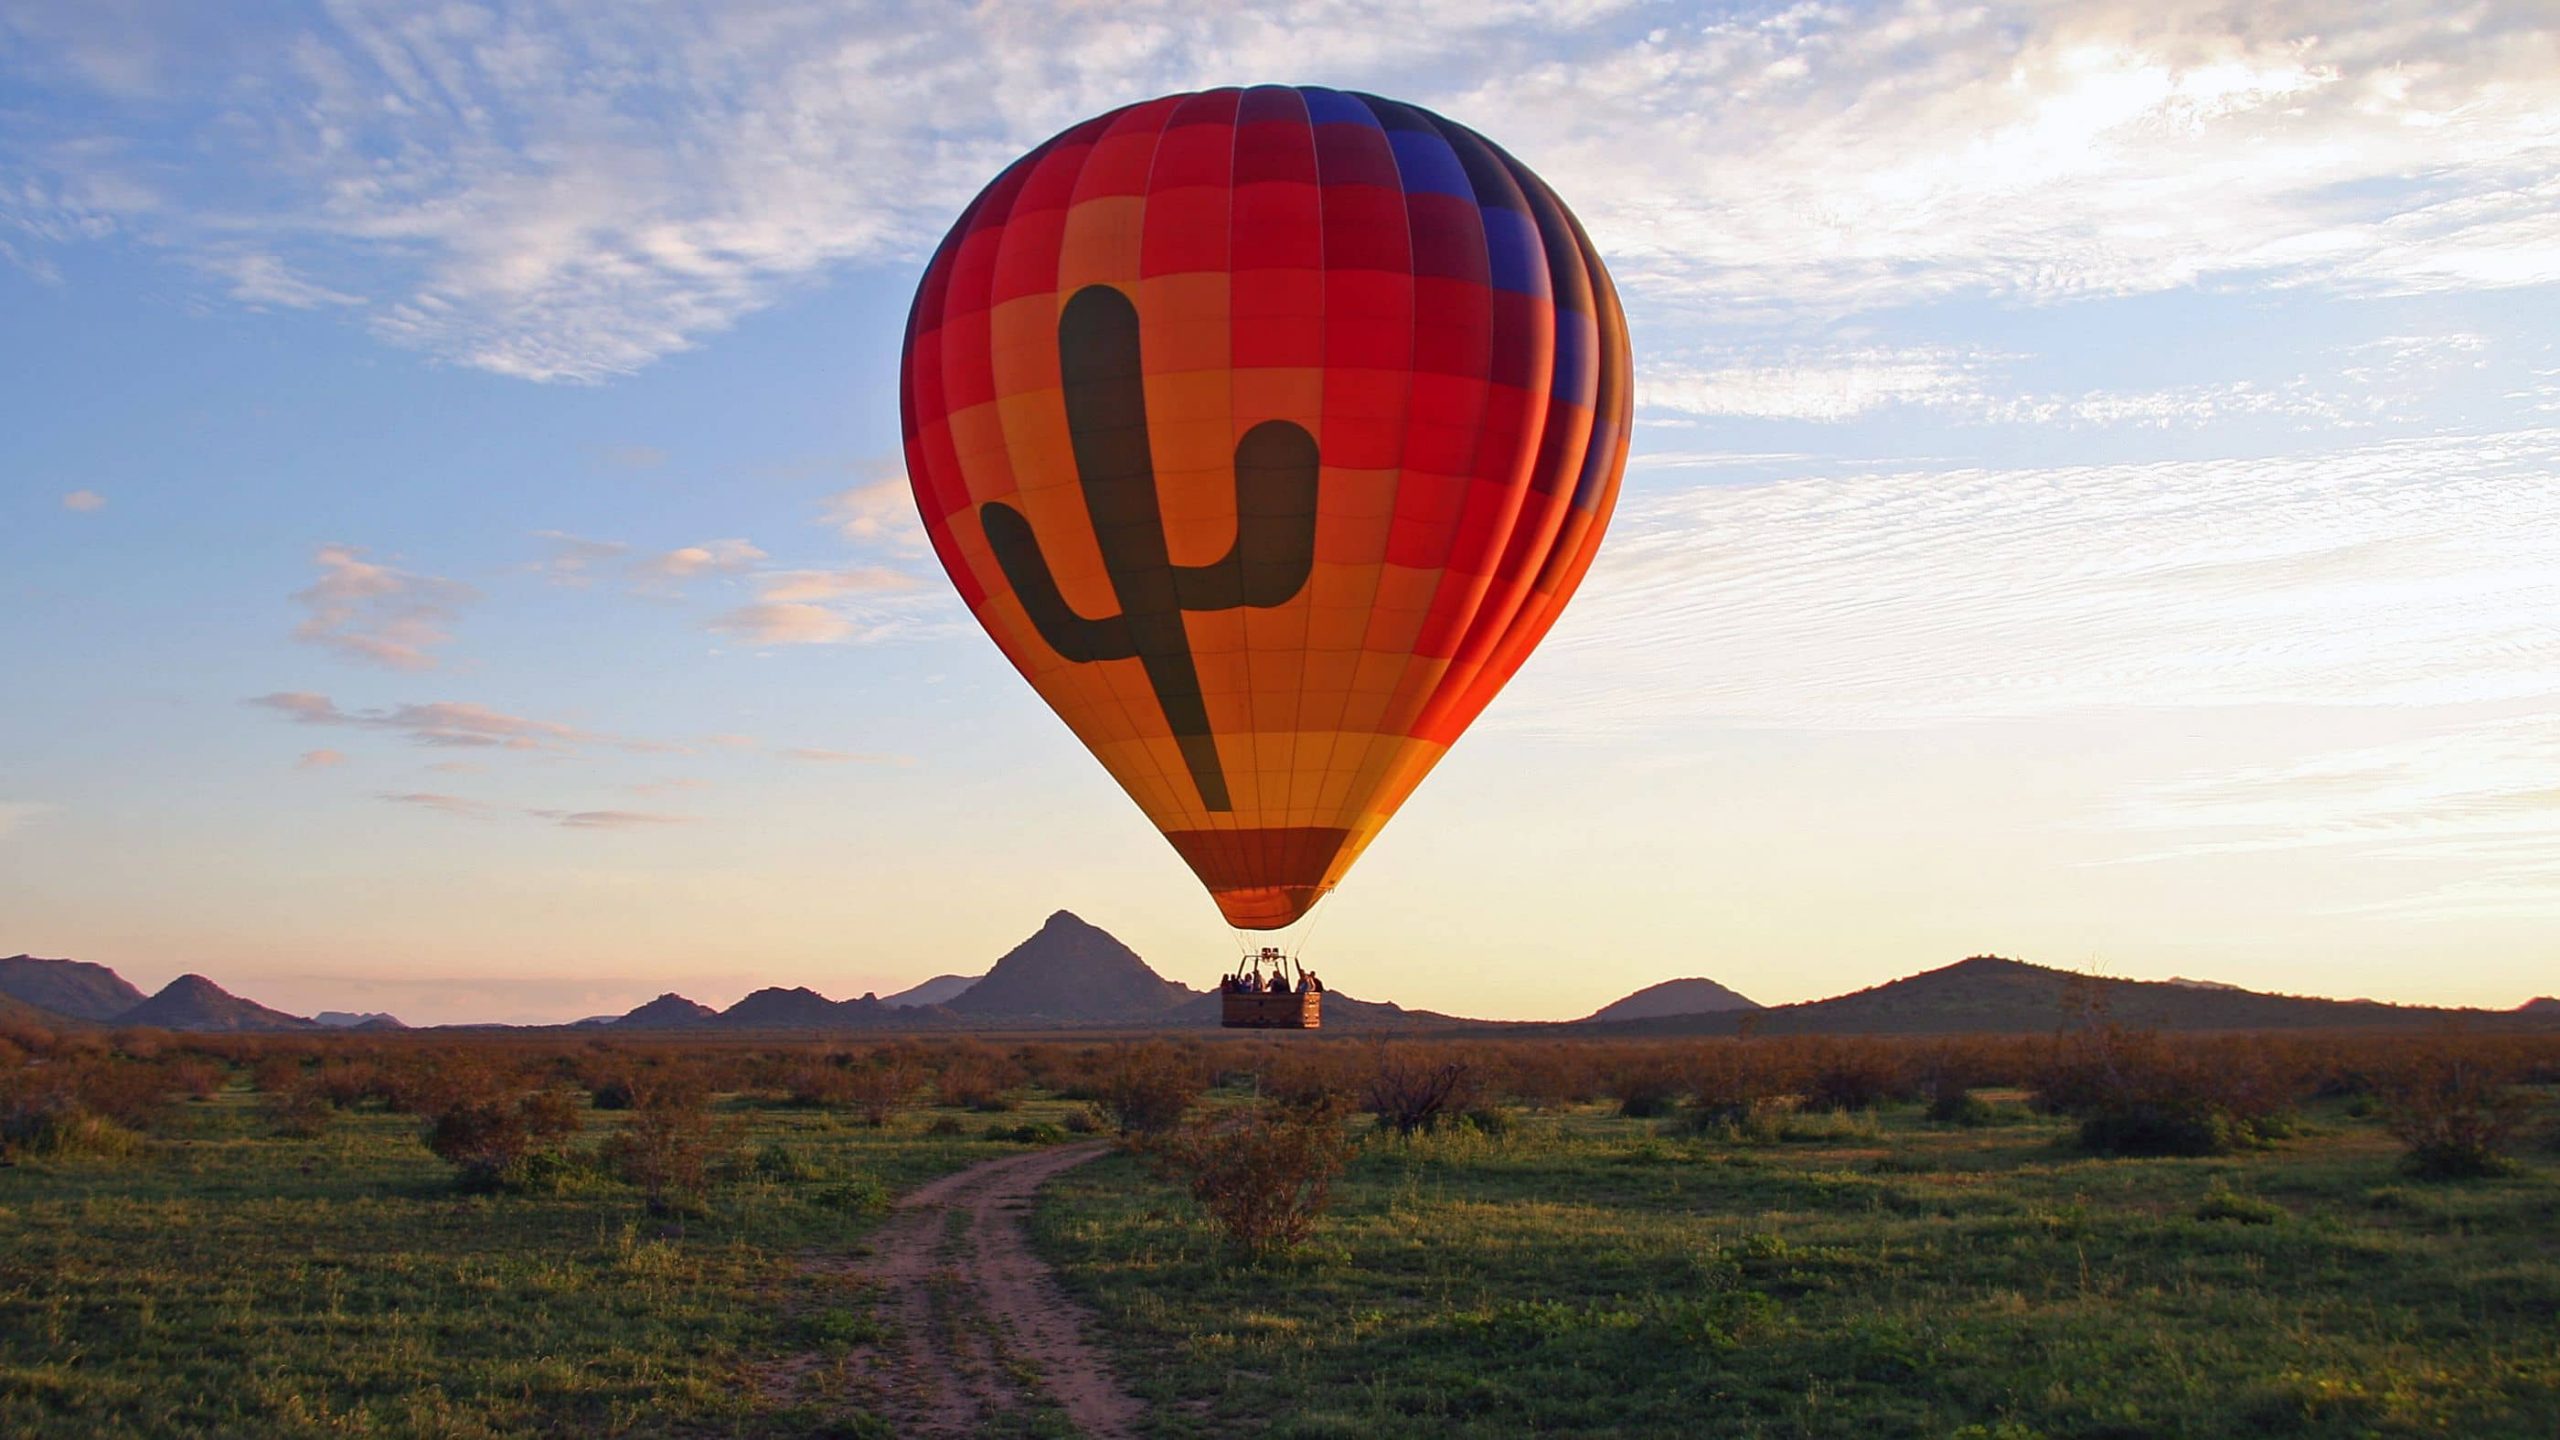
[(1276, 474)]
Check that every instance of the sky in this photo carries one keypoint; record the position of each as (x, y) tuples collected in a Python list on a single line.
[(2095, 499)]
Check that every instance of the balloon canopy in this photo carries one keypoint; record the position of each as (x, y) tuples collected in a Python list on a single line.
[(1266, 431)]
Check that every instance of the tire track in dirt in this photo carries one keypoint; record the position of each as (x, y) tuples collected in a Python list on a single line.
[(981, 1326)]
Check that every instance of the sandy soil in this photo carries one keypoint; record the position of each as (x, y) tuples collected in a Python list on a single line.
[(980, 1325)]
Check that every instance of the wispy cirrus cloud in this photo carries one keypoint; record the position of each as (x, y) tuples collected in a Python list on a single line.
[(609, 819), (443, 804), (439, 723), (569, 194), (2472, 795), (2408, 573), (322, 759), (827, 607), (816, 756), (376, 613), (84, 501), (470, 809)]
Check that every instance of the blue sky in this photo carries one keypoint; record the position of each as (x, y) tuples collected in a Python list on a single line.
[(2096, 498)]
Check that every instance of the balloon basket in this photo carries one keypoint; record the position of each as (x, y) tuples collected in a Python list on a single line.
[(1270, 992)]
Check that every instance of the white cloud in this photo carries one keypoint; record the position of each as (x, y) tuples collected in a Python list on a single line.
[(2474, 794), (785, 624), (2416, 572), (377, 613), (265, 280), (84, 501), (843, 757), (447, 804), (828, 607), (450, 723), (882, 510), (320, 759), (570, 193), (608, 819), (575, 559), (1968, 387), (788, 586), (712, 557)]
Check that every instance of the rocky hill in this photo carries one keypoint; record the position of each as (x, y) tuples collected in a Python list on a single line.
[(191, 1002), (68, 987), (1070, 971), (1693, 996), (1990, 994), (358, 1020), (2540, 1005)]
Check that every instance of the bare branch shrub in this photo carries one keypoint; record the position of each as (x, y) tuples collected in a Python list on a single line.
[(1264, 1174), (1413, 1089)]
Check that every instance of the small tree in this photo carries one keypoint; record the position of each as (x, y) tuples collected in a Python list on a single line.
[(668, 1146), (491, 1138), (880, 1088), (1264, 1175), (1411, 1090), (1145, 1088), (2453, 1102)]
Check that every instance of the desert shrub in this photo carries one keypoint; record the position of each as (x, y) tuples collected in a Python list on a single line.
[(1736, 1089), (300, 1112), (2453, 1102), (346, 1084), (1413, 1089), (1082, 1122), (945, 1125), (670, 1143), (1851, 1076), (977, 1078), (1144, 1088), (1030, 1132), (613, 1090), (1645, 1083), (1317, 1074), (194, 1078), (1548, 1077), (2136, 1093), (43, 1113), (1264, 1174), (882, 1085), (497, 1138)]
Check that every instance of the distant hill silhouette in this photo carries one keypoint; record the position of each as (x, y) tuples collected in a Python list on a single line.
[(1693, 996), (940, 990), (1990, 994), (358, 1020), (774, 1008), (68, 987), (1070, 970), (191, 1002), (669, 1012), (2539, 1005)]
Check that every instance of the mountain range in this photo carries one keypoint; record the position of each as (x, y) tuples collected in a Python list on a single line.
[(1074, 975)]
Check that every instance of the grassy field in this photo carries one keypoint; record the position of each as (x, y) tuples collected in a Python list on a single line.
[(228, 1283), (1569, 1272), (1870, 1277)]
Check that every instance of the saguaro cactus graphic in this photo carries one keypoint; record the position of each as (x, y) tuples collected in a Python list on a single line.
[(1273, 554)]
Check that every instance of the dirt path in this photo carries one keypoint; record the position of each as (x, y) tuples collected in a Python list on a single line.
[(969, 1324)]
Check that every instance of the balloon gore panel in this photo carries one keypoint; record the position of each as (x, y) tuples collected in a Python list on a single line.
[(1266, 431)]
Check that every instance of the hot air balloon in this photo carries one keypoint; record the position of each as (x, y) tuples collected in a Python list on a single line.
[(1266, 431)]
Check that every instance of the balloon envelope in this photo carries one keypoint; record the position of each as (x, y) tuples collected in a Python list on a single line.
[(1266, 431)]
